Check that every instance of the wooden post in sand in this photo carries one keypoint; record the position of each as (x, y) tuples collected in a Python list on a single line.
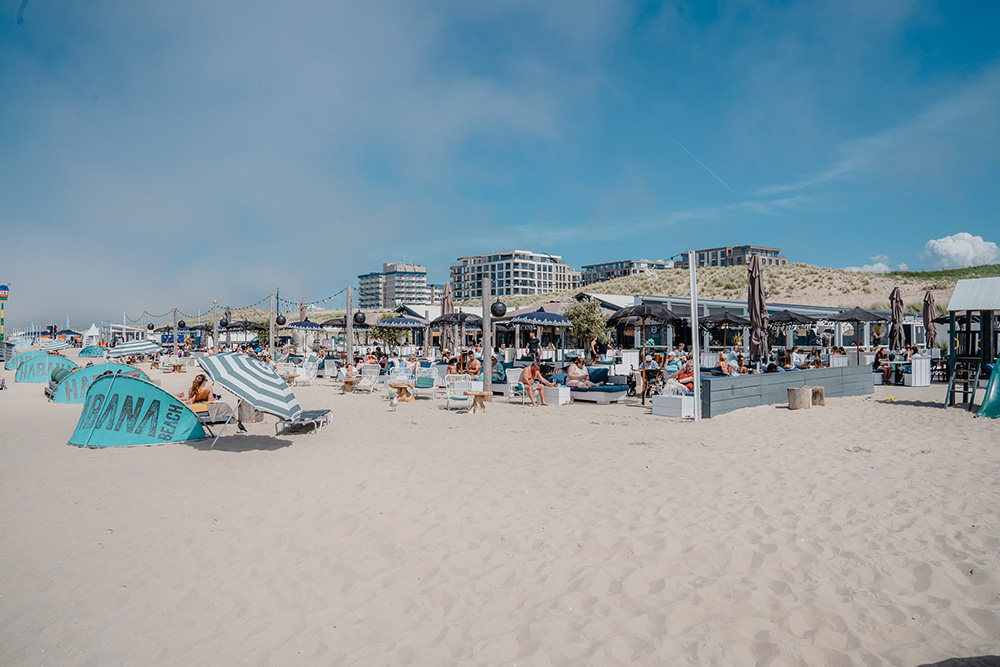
[(175, 332), (270, 329), (818, 395), (215, 324), (349, 328), (799, 398), (487, 342)]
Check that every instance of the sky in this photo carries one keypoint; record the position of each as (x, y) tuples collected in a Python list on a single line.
[(167, 154)]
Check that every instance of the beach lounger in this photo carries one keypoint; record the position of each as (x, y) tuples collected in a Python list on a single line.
[(369, 378), (426, 383), (455, 388), (314, 418)]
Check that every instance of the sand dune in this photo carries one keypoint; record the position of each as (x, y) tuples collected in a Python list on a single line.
[(864, 532)]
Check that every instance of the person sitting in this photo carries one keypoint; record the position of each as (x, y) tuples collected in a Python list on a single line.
[(412, 365), (651, 364), (453, 366), (3, 383), (200, 391), (723, 365), (741, 365), (686, 376), (530, 379), (499, 372), (577, 375), (472, 365), (881, 365), (673, 364)]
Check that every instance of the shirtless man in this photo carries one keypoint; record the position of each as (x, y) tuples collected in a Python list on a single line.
[(531, 377)]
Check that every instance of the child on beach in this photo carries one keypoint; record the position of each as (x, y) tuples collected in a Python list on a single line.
[(3, 383)]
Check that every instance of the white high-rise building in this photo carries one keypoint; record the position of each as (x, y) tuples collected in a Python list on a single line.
[(396, 284), (512, 272)]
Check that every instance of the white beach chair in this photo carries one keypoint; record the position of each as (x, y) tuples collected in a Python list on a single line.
[(455, 388), (514, 388), (369, 378), (306, 374), (426, 382)]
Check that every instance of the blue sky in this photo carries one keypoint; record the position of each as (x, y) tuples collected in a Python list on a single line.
[(162, 154)]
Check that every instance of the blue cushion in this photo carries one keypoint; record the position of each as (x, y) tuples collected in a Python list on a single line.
[(598, 375), (559, 378), (610, 388)]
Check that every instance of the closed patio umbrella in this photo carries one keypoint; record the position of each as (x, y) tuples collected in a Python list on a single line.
[(896, 340), (757, 306), (930, 328)]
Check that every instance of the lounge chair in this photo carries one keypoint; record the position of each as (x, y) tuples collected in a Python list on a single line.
[(426, 383), (455, 388), (314, 418), (369, 378), (604, 394), (307, 373), (514, 388)]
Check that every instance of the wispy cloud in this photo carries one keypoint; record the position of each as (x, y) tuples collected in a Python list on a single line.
[(971, 112)]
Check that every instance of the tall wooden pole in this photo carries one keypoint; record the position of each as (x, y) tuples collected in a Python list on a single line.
[(175, 332), (145, 325), (349, 328), (695, 347), (270, 330), (215, 324), (487, 342)]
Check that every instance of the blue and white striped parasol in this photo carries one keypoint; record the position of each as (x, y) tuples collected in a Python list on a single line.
[(134, 347), (57, 344), (253, 382)]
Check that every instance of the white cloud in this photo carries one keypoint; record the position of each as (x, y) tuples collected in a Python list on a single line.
[(959, 250), (879, 258), (877, 267)]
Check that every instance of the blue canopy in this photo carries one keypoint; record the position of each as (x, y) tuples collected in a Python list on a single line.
[(123, 411), (73, 388), (402, 323), (15, 362), (39, 369), (542, 319)]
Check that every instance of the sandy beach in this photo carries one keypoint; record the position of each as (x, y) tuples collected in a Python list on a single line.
[(864, 532)]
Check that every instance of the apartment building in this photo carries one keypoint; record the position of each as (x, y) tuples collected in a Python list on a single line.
[(734, 256), (596, 273), (396, 284), (512, 272)]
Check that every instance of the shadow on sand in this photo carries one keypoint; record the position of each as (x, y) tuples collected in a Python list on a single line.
[(242, 443), (977, 661)]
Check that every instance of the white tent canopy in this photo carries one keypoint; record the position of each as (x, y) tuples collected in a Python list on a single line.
[(91, 336)]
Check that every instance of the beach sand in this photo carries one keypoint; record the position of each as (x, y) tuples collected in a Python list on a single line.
[(864, 532)]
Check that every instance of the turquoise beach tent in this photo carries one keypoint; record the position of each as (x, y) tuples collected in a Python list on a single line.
[(73, 387), (39, 369), (15, 362), (92, 351), (123, 411)]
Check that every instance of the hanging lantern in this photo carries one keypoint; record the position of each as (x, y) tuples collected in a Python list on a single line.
[(223, 323), (498, 309), (280, 320), (359, 317), (150, 326), (182, 324)]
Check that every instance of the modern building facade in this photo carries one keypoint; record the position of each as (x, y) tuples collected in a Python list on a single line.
[(735, 256), (512, 272), (397, 283), (596, 273)]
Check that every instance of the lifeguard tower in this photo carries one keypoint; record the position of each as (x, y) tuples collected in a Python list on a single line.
[(973, 335)]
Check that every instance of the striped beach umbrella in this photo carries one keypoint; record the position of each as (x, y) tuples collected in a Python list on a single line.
[(253, 382), (134, 347), (57, 344)]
